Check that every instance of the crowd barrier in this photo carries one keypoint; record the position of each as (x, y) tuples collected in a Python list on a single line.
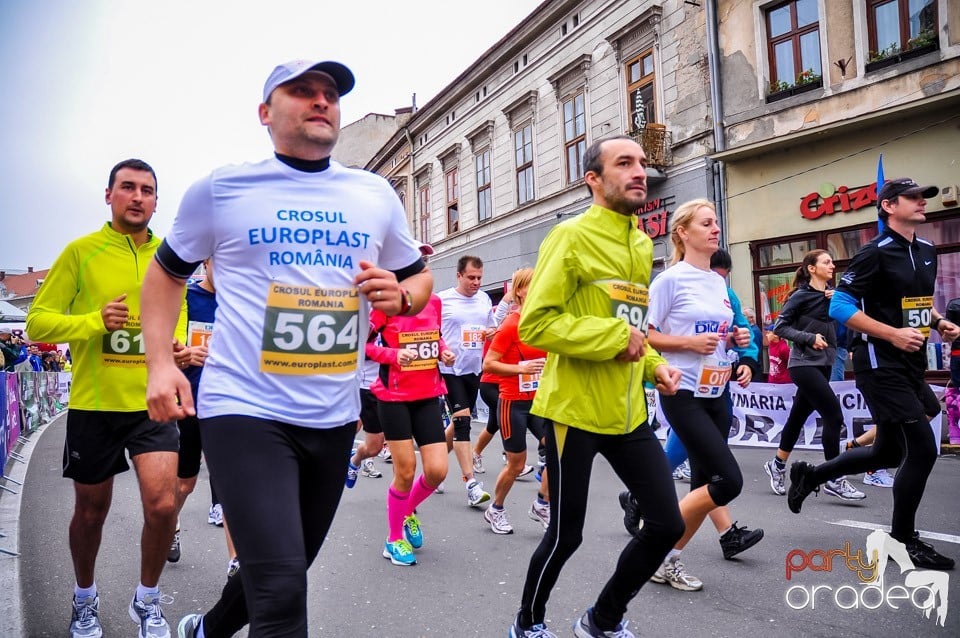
[(760, 411), (29, 400)]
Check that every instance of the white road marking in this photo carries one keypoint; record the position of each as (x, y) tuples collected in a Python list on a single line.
[(948, 538)]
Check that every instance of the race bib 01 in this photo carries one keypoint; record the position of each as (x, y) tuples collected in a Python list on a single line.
[(309, 330), (198, 333), (917, 313), (425, 344), (529, 382), (629, 301), (712, 377)]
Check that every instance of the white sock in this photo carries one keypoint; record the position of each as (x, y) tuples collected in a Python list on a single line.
[(672, 555), (143, 590), (85, 592)]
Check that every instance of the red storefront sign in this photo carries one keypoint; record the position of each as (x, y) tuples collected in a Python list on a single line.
[(844, 200), (653, 217)]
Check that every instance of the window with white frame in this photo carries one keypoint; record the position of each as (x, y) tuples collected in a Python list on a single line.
[(452, 193), (484, 192), (574, 136), (423, 199), (523, 149)]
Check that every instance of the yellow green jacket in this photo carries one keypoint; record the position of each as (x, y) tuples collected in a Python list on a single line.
[(571, 311), (109, 371)]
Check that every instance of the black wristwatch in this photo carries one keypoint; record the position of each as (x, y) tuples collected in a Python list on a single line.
[(935, 323)]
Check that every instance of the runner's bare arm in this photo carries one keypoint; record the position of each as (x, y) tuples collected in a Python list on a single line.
[(168, 391)]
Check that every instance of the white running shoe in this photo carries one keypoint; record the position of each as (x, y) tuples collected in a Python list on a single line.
[(368, 469), (673, 573), (149, 616), (188, 625), (85, 622), (498, 520), (842, 489), (440, 489), (478, 464), (878, 478), (776, 477), (526, 471), (215, 515), (475, 494), (540, 512)]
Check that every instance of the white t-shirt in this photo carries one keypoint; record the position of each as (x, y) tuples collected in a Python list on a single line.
[(367, 372), (291, 325), (463, 321), (685, 300)]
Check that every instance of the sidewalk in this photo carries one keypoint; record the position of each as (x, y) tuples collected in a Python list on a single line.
[(11, 607)]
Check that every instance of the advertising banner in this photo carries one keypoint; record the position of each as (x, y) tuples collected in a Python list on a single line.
[(760, 411)]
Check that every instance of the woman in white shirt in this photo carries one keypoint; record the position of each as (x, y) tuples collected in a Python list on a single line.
[(691, 324)]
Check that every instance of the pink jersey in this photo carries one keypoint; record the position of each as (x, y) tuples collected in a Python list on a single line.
[(419, 379)]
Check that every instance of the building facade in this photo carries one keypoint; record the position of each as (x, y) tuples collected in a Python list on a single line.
[(814, 92), (494, 161)]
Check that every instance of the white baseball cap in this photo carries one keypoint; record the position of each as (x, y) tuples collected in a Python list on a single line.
[(341, 75)]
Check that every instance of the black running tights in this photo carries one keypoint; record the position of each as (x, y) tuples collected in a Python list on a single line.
[(639, 461), (279, 486)]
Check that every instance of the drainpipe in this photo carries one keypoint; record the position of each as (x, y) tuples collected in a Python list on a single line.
[(716, 103), (413, 171)]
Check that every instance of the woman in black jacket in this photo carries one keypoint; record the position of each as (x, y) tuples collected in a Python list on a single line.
[(805, 322)]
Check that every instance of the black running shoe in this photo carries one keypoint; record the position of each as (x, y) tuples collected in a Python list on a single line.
[(631, 516), (924, 555), (739, 539), (800, 487)]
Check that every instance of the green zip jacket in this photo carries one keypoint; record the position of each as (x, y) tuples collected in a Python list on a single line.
[(109, 370), (591, 279)]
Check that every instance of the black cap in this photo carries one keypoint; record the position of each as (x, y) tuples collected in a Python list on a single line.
[(904, 186)]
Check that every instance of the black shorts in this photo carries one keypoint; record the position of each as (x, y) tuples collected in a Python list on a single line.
[(188, 465), (418, 420), (462, 391), (515, 420), (369, 415), (94, 447), (895, 396)]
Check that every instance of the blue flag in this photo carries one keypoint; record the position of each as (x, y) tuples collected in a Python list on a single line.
[(880, 182)]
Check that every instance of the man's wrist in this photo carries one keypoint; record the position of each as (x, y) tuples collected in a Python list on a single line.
[(935, 324)]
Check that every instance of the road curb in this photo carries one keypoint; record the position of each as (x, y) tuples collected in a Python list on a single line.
[(11, 604)]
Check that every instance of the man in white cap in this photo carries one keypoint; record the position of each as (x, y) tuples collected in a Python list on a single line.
[(304, 248)]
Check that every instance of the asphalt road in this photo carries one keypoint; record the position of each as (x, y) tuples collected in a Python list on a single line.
[(467, 581)]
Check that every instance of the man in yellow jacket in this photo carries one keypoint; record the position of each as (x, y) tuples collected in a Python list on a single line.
[(91, 299), (587, 307)]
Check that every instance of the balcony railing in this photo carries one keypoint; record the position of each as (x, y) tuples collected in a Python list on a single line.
[(656, 141)]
